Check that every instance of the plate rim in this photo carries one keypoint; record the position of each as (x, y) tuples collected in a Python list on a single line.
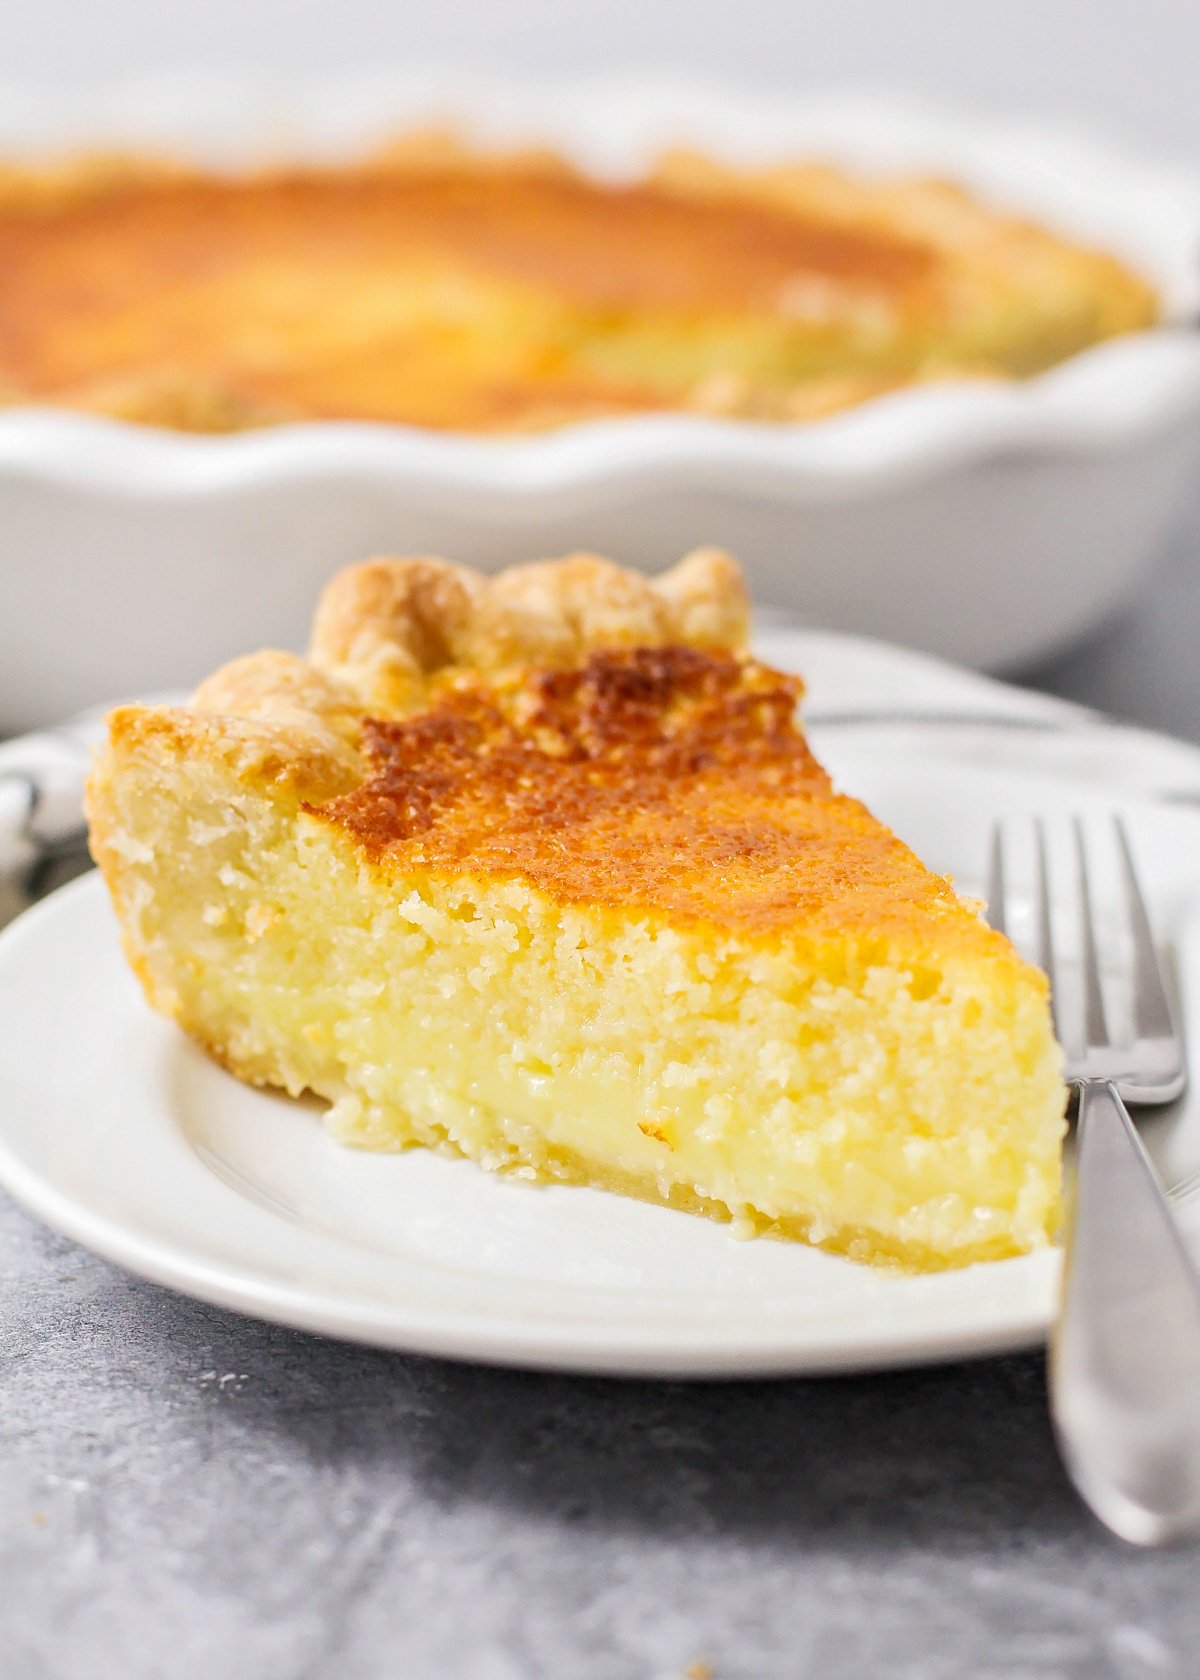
[(458, 1335)]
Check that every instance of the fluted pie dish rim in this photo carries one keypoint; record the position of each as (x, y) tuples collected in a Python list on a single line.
[(1113, 393)]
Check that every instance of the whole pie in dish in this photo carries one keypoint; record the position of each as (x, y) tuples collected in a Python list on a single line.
[(439, 287), (539, 869)]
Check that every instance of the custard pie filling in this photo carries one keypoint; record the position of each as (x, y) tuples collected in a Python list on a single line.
[(449, 289), (540, 870)]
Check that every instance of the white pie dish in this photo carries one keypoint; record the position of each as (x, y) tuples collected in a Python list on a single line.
[(988, 523)]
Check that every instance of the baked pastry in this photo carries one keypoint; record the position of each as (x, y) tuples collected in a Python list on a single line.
[(540, 869), (443, 288)]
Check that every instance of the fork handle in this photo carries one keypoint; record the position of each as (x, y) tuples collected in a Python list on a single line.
[(1125, 1355)]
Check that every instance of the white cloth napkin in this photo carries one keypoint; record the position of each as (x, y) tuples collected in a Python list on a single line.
[(43, 837), (41, 779)]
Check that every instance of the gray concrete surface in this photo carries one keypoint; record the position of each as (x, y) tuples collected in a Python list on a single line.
[(188, 1496), (185, 1495)]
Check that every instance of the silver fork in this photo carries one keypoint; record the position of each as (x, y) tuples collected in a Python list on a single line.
[(1125, 1352)]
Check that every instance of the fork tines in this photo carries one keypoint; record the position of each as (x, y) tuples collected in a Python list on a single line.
[(1080, 915)]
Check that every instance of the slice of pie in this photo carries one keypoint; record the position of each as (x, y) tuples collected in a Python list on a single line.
[(540, 870)]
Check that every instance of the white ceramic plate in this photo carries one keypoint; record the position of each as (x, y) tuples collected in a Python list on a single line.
[(119, 1132), (980, 497)]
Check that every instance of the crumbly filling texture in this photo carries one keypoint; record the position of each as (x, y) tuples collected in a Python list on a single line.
[(862, 1096), (541, 870)]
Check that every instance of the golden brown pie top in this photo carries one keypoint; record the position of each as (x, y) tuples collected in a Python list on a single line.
[(673, 779), (600, 736), (480, 294)]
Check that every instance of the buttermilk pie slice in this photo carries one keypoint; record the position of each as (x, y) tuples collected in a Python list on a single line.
[(539, 869)]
